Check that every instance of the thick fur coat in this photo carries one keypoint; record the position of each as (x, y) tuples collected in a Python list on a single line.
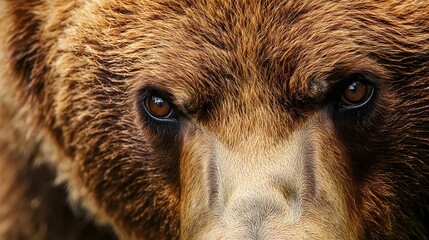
[(257, 145)]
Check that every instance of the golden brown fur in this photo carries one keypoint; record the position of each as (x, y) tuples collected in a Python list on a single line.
[(258, 149)]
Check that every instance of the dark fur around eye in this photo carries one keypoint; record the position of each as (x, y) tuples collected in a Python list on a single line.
[(355, 111)]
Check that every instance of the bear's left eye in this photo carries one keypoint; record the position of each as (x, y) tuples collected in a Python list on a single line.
[(356, 93), (158, 107)]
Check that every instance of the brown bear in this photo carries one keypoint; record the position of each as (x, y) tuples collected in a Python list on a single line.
[(214, 119)]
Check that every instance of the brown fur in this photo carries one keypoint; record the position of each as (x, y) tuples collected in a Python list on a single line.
[(258, 150)]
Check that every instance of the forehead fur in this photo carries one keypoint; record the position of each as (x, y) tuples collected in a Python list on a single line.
[(245, 54)]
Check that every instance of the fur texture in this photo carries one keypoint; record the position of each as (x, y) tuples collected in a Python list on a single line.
[(257, 148)]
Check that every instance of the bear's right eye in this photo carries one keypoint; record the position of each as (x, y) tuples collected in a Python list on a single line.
[(158, 107)]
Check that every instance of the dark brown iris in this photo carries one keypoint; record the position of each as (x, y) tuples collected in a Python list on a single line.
[(356, 92), (158, 107)]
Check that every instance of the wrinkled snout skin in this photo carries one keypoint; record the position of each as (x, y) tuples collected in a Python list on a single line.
[(214, 119)]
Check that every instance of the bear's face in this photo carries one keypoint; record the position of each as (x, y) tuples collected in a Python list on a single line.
[(244, 119)]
